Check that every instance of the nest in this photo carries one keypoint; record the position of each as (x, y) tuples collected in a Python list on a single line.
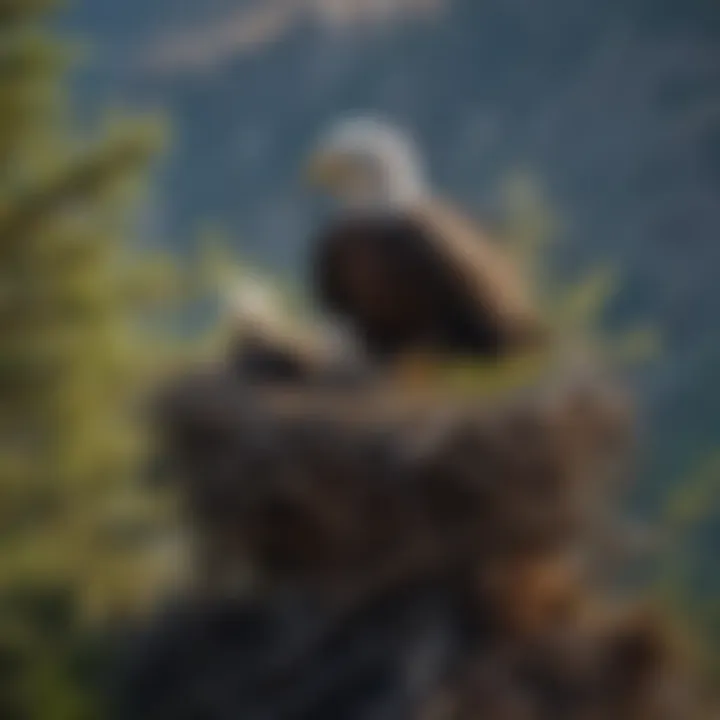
[(416, 554), (360, 488)]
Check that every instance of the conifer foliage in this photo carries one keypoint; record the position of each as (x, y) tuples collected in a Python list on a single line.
[(70, 508)]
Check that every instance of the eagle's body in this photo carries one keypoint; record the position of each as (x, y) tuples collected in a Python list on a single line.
[(405, 269), (423, 279)]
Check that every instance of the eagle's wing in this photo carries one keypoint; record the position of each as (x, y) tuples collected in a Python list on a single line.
[(485, 271)]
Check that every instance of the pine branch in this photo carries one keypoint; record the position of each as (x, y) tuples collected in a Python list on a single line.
[(14, 11), (85, 179)]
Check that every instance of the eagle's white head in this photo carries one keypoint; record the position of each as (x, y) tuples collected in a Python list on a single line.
[(366, 163)]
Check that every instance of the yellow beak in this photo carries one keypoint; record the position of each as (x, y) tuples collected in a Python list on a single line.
[(325, 171)]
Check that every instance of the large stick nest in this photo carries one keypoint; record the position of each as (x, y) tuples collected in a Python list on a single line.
[(416, 555), (355, 487)]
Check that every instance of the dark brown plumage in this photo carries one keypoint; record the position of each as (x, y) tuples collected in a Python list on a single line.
[(423, 279)]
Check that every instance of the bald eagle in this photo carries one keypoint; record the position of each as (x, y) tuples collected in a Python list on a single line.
[(407, 270)]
